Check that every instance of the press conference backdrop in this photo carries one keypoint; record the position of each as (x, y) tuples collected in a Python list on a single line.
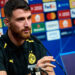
[(53, 22)]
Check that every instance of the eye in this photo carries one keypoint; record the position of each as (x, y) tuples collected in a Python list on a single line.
[(29, 17)]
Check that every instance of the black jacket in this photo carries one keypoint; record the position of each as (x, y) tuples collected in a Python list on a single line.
[(15, 60)]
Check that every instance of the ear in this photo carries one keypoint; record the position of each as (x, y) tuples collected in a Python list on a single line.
[(6, 21)]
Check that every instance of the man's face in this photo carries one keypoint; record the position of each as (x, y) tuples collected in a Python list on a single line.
[(20, 23)]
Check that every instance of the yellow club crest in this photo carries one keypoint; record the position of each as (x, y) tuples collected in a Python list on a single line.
[(32, 58), (11, 61)]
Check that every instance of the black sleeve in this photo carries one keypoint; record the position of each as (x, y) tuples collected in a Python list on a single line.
[(2, 67)]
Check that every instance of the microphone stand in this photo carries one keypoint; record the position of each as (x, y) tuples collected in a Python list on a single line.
[(36, 71), (58, 63)]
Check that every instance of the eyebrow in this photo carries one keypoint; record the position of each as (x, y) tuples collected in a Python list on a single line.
[(21, 18)]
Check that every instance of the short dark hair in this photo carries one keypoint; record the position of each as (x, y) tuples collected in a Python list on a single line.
[(15, 4)]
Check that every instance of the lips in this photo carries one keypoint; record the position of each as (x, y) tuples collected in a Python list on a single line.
[(26, 30)]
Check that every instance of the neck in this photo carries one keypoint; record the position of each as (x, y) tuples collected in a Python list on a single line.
[(17, 41)]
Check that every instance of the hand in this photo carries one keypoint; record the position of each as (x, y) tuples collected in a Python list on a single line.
[(45, 64)]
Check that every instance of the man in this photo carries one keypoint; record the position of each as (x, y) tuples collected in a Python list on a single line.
[(18, 48)]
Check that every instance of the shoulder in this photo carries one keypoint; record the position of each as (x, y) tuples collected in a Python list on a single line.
[(2, 42), (36, 39), (39, 45), (2, 39)]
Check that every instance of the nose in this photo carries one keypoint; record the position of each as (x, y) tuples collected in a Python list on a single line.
[(26, 22)]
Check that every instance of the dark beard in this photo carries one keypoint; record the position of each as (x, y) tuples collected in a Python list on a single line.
[(20, 34)]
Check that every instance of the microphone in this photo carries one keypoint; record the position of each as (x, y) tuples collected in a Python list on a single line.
[(61, 67), (38, 41), (57, 63), (36, 71)]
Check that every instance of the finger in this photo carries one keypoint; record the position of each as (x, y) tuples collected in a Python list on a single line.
[(46, 59), (46, 65), (48, 69), (49, 65)]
